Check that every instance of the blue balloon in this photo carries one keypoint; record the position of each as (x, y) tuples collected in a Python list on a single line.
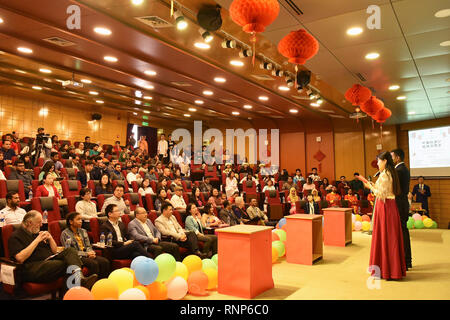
[(146, 271), (282, 222), (136, 261)]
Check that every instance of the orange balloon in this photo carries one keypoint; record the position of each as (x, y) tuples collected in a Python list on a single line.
[(275, 237), (365, 217), (105, 289), (157, 291), (78, 293), (198, 283), (284, 227), (274, 254), (144, 290), (424, 217)]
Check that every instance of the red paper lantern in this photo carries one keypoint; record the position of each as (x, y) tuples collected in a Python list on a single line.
[(372, 106), (254, 15), (298, 46), (358, 94), (382, 115)]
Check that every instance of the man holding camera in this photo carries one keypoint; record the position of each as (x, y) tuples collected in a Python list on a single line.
[(42, 146)]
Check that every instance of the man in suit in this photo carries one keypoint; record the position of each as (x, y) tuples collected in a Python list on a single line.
[(398, 155), (99, 169), (122, 247), (85, 175), (227, 215), (311, 207), (422, 192), (142, 229)]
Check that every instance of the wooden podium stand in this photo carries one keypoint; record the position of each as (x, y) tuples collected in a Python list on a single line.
[(304, 238), (245, 255), (337, 228)]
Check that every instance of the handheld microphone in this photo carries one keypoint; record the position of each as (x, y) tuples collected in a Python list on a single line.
[(376, 174)]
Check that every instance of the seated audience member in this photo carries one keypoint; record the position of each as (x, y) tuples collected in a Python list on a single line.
[(177, 200), (80, 150), (298, 176), (151, 174), (54, 156), (176, 183), (159, 168), (86, 207), (314, 176), (371, 198), (308, 186), (194, 224), (333, 198), (104, 186), (352, 199), (47, 188), (284, 176), (268, 187), (227, 215), (311, 206), (161, 199), (31, 247), (289, 184), (343, 185), (215, 199), (122, 247), (228, 169), (231, 184), (206, 186), (74, 236), (142, 229), (292, 199), (246, 169), (117, 149), (168, 225), (134, 175), (28, 163), (116, 174), (255, 213), (326, 185), (85, 175), (356, 185), (316, 196), (21, 174), (144, 168), (49, 168), (122, 206), (195, 197), (239, 210), (209, 219), (166, 174), (233, 197), (8, 152), (12, 213), (249, 177), (145, 188), (99, 169), (76, 164), (94, 151), (162, 184)]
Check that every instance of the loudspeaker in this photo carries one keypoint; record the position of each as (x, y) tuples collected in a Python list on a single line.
[(96, 116), (303, 78)]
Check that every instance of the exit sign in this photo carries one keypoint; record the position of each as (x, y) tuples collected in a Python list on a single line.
[(145, 123)]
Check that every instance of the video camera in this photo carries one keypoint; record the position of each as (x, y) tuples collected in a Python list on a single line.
[(41, 137)]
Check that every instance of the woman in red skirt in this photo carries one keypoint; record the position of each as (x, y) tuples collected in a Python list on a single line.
[(387, 257)]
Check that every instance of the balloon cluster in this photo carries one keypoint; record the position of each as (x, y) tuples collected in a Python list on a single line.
[(279, 240), (360, 222), (161, 278), (418, 221)]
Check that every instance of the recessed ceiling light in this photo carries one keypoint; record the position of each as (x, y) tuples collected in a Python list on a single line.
[(148, 98), (411, 112), (394, 87), (43, 70), (263, 98), (202, 45), (94, 93), (314, 104), (220, 79), (354, 31), (442, 13), (445, 43), (138, 102), (24, 50), (401, 98), (199, 101), (187, 115), (110, 59), (1, 20), (208, 92), (150, 72), (36, 88), (148, 86), (235, 113), (102, 31), (247, 106), (293, 111), (100, 101), (146, 111), (372, 55), (137, 2), (283, 88), (192, 109), (86, 81), (20, 71), (135, 113), (236, 63)]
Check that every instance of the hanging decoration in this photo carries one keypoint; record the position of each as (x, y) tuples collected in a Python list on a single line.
[(372, 106), (254, 16), (381, 116), (358, 94)]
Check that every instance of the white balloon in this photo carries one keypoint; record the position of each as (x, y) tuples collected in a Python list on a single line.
[(133, 294)]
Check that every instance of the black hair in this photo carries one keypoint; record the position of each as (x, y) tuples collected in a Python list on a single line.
[(390, 167), (83, 191), (165, 206), (226, 203), (47, 166), (356, 174), (70, 217), (189, 208), (421, 177), (314, 169), (10, 194), (400, 153), (109, 208), (118, 186)]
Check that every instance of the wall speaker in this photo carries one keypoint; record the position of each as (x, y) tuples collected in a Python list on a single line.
[(96, 116)]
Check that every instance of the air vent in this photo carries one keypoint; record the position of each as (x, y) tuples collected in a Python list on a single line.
[(327, 111), (294, 7), (360, 76), (300, 97), (263, 112), (155, 22), (336, 116), (181, 84), (228, 100), (59, 41), (262, 77)]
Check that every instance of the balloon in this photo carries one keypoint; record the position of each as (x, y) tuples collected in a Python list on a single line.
[(280, 247), (365, 226), (132, 294), (424, 217), (212, 278), (417, 216), (282, 222), (78, 293), (181, 271), (177, 288), (358, 217), (208, 263), (353, 218), (365, 217), (281, 234), (275, 236), (215, 258), (197, 283), (274, 254), (105, 289), (166, 265), (353, 226), (434, 226), (410, 224), (193, 263), (157, 290), (145, 291), (284, 227), (123, 279), (136, 261), (146, 271), (428, 223), (135, 282), (358, 225), (418, 224)]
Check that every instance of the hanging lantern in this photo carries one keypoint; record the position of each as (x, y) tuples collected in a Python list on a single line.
[(372, 106), (358, 94), (382, 115), (298, 46), (209, 17)]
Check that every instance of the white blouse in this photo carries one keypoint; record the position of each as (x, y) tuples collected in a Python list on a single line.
[(383, 188), (145, 191)]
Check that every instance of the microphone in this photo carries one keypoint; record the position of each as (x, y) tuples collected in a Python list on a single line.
[(376, 174)]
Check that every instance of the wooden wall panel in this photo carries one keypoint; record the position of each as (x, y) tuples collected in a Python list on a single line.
[(292, 152), (327, 147), (349, 154), (372, 138)]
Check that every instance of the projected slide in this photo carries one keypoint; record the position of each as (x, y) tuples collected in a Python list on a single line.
[(429, 152)]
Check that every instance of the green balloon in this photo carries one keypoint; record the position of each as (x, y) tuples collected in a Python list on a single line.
[(410, 224), (418, 224), (208, 263), (281, 234), (167, 266), (434, 226), (411, 219), (279, 245), (215, 258)]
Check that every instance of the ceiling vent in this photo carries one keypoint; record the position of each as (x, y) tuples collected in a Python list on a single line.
[(301, 97), (228, 100), (155, 22), (181, 84), (59, 41), (336, 116), (327, 111), (262, 77)]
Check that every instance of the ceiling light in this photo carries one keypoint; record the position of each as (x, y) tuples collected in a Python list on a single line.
[(110, 59), (86, 81), (100, 101), (236, 63), (206, 35), (150, 72), (102, 31), (138, 102), (445, 44), (235, 113), (372, 55), (263, 98), (245, 53), (277, 73), (202, 45), (135, 113), (148, 98), (293, 111), (187, 115), (208, 92), (20, 71), (24, 50), (138, 93), (36, 88), (43, 70), (199, 102), (442, 13), (319, 101), (401, 98), (314, 104), (247, 106), (354, 31), (137, 2), (283, 88), (219, 79), (146, 111), (266, 65), (94, 93), (411, 112), (1, 20), (289, 82), (180, 20), (394, 87), (192, 109), (228, 44)]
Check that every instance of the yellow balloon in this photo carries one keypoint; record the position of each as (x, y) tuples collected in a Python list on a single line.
[(274, 254), (365, 225), (353, 226), (105, 289), (212, 278), (193, 263), (428, 223), (358, 217), (123, 279), (181, 271)]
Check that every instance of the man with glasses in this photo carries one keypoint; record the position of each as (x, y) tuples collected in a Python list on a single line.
[(21, 174), (122, 206)]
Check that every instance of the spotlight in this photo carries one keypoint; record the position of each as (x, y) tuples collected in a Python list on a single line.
[(278, 73), (244, 53), (266, 66), (230, 44), (206, 35), (289, 82), (299, 89), (311, 96), (180, 21), (319, 101), (303, 78)]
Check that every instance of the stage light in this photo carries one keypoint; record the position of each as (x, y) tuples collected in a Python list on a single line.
[(245, 53), (206, 35), (289, 82), (277, 73), (180, 21), (266, 65), (229, 44)]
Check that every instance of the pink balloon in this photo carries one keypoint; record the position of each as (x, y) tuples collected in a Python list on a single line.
[(275, 237), (358, 225), (417, 216), (177, 288), (353, 218)]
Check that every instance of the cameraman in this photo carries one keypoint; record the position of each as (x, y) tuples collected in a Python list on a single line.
[(42, 146)]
